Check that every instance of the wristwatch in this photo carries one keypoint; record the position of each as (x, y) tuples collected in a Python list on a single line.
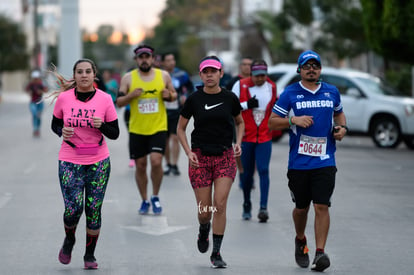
[(345, 127)]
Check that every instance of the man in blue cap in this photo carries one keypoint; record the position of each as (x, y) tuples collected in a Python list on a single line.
[(312, 110)]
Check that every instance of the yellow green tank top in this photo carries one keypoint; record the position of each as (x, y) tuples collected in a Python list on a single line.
[(148, 113)]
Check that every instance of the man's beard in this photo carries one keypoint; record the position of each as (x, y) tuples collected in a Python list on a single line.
[(145, 69), (311, 78)]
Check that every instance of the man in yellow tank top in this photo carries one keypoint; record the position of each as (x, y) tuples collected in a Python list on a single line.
[(145, 89)]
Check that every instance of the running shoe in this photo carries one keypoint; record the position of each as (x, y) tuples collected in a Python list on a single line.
[(90, 262), (247, 211), (174, 170), (65, 253), (145, 205), (301, 253), (217, 261), (263, 215), (203, 241), (321, 262), (167, 170), (156, 205)]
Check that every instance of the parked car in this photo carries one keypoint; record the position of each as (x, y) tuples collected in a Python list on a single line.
[(371, 106)]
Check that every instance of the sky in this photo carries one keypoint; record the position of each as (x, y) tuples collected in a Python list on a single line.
[(130, 16)]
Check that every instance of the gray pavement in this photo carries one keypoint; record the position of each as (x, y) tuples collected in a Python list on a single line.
[(372, 213)]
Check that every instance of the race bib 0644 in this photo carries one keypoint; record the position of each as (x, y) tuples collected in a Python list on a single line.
[(312, 146)]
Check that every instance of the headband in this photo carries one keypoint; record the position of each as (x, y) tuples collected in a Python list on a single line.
[(210, 63)]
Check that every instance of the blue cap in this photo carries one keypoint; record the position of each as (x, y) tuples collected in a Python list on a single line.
[(308, 55)]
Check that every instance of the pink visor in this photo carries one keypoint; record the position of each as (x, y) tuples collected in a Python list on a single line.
[(140, 51), (210, 63)]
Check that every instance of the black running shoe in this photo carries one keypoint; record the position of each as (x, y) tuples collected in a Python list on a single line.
[(247, 211), (321, 262), (174, 170), (263, 215), (203, 241), (301, 253), (217, 261), (167, 170)]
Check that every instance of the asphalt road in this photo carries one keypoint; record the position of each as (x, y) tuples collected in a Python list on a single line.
[(372, 213)]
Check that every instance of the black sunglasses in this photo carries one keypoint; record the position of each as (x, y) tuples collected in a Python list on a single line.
[(307, 66)]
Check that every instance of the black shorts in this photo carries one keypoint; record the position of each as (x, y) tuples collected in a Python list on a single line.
[(173, 116), (140, 145), (316, 185)]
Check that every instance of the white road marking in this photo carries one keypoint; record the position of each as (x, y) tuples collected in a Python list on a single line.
[(155, 225)]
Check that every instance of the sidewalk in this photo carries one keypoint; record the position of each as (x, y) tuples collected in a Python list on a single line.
[(14, 97)]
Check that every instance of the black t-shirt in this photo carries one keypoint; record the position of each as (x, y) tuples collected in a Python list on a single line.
[(213, 117)]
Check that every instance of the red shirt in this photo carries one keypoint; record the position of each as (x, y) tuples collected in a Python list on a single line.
[(254, 133)]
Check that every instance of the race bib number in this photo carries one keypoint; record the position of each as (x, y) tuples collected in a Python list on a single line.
[(172, 105), (258, 115), (312, 146), (148, 105)]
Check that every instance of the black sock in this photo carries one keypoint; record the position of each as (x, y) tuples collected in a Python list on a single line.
[(217, 239), (69, 240), (319, 251), (70, 233), (204, 230), (90, 244), (301, 240)]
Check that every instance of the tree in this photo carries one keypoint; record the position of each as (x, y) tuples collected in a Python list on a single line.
[(13, 55), (180, 23), (101, 48), (341, 28), (389, 27)]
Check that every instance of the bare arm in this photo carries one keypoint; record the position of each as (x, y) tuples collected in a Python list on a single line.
[(124, 98), (182, 137), (239, 134), (340, 130), (181, 134), (169, 93), (279, 123)]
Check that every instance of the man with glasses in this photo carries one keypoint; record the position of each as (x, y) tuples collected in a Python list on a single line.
[(313, 112)]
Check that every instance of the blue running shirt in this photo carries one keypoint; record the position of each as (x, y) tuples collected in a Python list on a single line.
[(313, 147)]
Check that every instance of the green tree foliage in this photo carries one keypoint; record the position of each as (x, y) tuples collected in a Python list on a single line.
[(341, 28), (167, 35), (299, 10), (270, 32), (199, 14), (181, 21), (106, 53), (13, 55), (389, 27)]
